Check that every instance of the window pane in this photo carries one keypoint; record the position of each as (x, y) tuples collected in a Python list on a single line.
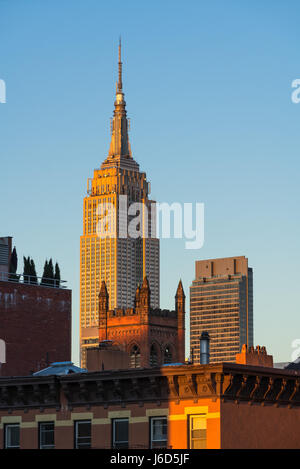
[(84, 429), (83, 434), (121, 432), (135, 357), (159, 429), (159, 432), (167, 355), (199, 444), (121, 427), (153, 356), (198, 431), (46, 435), (12, 436)]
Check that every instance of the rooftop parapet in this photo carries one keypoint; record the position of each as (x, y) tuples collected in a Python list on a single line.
[(254, 356), (164, 313)]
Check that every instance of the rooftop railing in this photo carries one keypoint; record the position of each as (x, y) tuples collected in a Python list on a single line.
[(32, 280)]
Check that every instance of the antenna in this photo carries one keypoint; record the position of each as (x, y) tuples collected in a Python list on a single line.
[(119, 85)]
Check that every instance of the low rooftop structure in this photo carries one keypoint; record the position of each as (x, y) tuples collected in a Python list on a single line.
[(106, 356), (60, 369), (254, 356)]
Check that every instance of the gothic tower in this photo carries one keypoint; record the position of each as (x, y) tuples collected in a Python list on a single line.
[(180, 311), (151, 337)]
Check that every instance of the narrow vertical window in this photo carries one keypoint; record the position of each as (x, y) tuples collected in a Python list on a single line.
[(120, 433), (135, 357), (167, 355), (12, 436), (83, 434), (158, 432), (153, 356), (197, 424), (46, 435)]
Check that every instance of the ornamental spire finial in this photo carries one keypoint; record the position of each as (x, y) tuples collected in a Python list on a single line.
[(119, 145)]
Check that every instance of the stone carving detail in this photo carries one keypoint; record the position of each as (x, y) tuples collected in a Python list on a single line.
[(187, 386), (172, 386)]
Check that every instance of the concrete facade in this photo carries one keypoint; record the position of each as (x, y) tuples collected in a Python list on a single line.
[(221, 303)]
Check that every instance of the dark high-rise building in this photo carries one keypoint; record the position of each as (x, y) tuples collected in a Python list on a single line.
[(5, 254), (221, 303)]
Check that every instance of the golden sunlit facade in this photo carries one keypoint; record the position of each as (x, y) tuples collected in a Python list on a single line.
[(107, 251)]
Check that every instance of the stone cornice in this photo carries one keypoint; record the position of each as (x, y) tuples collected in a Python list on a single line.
[(228, 382), (29, 392)]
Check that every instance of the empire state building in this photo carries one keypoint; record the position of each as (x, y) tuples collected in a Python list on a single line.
[(106, 253)]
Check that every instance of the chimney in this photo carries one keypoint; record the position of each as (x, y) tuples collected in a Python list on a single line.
[(204, 348)]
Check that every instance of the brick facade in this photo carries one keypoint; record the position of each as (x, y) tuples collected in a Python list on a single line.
[(156, 336), (235, 406), (35, 323)]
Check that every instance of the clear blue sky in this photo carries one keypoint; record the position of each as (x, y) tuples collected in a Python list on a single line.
[(208, 91)]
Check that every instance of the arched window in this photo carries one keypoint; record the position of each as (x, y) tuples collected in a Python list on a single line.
[(153, 356), (167, 355), (135, 357)]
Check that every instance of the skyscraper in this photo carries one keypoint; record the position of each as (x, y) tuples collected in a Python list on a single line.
[(221, 303), (107, 251)]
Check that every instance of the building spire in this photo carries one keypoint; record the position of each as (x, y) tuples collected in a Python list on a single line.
[(119, 145)]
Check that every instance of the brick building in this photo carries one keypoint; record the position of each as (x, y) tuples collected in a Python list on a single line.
[(223, 405), (151, 337), (35, 324)]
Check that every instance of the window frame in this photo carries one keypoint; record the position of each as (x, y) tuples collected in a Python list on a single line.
[(113, 443), (152, 419), (154, 360), (6, 427), (190, 429), (76, 423), (168, 355), (40, 435), (135, 357)]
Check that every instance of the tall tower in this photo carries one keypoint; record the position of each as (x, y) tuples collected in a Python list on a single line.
[(221, 303), (119, 244)]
